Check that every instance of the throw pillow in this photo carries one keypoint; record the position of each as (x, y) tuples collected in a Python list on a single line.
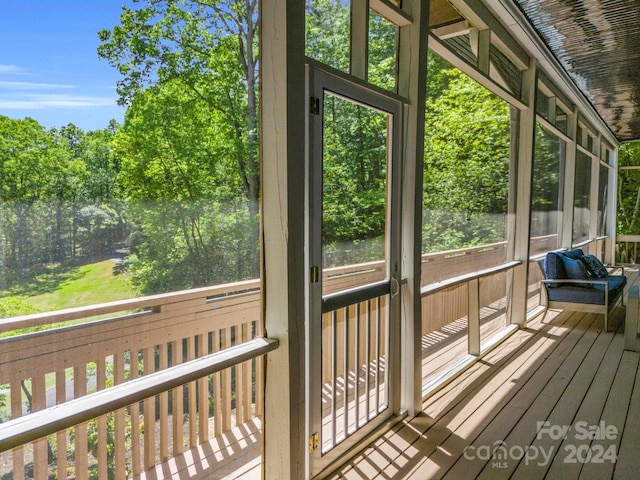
[(595, 266), (576, 253), (575, 269), (554, 268)]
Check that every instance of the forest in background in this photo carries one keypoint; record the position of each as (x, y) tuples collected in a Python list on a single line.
[(174, 189)]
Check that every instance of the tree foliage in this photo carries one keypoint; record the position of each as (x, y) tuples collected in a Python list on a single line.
[(184, 193), (47, 178), (199, 56), (628, 214), (467, 157)]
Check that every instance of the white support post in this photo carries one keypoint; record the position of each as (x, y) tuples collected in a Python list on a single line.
[(612, 207), (359, 39), (527, 129), (282, 115), (594, 195), (569, 180), (412, 80), (473, 316)]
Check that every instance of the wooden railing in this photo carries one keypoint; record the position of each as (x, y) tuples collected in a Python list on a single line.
[(83, 352), (42, 369), (627, 249)]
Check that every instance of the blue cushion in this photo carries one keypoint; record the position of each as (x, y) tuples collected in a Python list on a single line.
[(575, 269), (593, 295), (595, 266), (576, 253), (554, 267)]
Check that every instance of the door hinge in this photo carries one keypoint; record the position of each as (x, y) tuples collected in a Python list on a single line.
[(315, 274), (314, 105), (313, 442)]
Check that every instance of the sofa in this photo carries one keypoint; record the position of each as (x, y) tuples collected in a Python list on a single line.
[(575, 281)]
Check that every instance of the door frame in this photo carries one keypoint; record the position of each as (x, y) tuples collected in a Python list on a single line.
[(319, 80)]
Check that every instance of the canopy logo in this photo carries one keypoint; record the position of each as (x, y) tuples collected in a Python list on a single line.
[(578, 443)]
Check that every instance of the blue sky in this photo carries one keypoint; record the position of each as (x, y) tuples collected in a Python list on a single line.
[(49, 66)]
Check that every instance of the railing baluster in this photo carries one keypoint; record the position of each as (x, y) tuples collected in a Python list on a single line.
[(101, 380), (119, 423), (61, 437), (226, 385), (148, 359), (259, 385), (334, 375), (203, 397), (135, 417), (80, 444), (385, 345), (367, 372), (345, 371), (177, 406), (377, 340), (239, 383), (191, 399), (164, 406), (39, 402), (16, 411), (246, 379), (356, 391), (217, 392)]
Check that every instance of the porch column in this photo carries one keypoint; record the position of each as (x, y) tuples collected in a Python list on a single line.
[(569, 180), (412, 78), (282, 130), (526, 142), (594, 195), (612, 211)]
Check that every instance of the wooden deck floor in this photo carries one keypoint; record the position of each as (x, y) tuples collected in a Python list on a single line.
[(233, 455), (490, 421)]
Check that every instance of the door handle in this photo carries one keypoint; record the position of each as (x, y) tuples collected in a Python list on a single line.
[(395, 287)]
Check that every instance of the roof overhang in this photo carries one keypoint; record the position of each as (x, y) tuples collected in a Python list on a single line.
[(596, 43)]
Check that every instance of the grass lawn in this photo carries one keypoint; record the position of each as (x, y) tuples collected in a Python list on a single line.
[(89, 284)]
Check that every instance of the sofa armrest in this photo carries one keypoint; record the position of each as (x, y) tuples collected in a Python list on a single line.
[(615, 267), (578, 283)]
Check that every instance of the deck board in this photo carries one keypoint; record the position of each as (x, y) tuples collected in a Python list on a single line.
[(565, 370), (628, 463), (235, 454)]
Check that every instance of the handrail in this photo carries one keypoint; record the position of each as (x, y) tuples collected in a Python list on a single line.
[(151, 301), (627, 238), (467, 277), (26, 429), (583, 243), (345, 298)]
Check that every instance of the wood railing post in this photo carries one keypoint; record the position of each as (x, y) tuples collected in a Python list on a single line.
[(81, 453), (119, 423), (473, 332), (101, 381)]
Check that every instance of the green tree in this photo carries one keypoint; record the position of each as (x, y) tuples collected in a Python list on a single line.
[(210, 48), (36, 170), (184, 193), (628, 214), (327, 32), (466, 174)]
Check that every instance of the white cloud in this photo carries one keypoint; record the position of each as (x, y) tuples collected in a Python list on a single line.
[(10, 85), (12, 69), (40, 102)]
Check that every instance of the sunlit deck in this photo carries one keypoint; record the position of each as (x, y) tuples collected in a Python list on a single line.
[(564, 371)]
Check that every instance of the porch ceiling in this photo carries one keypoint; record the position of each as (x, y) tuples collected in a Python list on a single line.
[(596, 41)]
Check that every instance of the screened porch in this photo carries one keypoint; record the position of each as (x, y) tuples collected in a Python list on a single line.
[(411, 181)]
